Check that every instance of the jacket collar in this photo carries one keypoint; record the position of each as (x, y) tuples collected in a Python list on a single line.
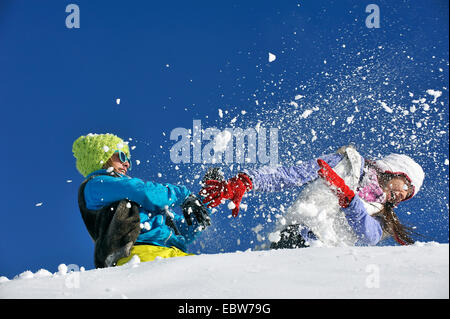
[(105, 172)]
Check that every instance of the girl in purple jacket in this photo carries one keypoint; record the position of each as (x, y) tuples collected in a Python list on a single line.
[(347, 200)]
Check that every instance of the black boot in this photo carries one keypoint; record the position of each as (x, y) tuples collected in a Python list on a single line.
[(290, 238)]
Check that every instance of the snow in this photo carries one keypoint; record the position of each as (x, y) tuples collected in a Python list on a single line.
[(418, 271), (117, 101), (386, 107), (435, 94), (221, 141), (306, 113), (272, 57)]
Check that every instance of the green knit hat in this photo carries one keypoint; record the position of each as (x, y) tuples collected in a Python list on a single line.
[(93, 151)]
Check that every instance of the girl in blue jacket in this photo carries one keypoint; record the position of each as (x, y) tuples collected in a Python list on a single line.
[(104, 160)]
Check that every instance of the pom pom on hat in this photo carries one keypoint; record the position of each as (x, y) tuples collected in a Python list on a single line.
[(93, 151), (403, 165)]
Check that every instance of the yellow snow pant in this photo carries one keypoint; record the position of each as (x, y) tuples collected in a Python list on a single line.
[(150, 252)]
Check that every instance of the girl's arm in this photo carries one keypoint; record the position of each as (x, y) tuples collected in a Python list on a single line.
[(274, 179), (367, 228)]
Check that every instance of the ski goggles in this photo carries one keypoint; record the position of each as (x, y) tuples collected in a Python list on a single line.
[(123, 157)]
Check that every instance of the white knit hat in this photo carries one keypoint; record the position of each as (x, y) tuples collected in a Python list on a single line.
[(399, 164)]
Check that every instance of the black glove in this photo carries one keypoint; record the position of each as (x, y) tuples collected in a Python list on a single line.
[(213, 173), (193, 207)]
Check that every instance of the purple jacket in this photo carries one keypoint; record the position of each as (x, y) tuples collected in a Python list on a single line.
[(273, 179)]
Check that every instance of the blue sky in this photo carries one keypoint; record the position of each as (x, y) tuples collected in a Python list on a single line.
[(171, 63)]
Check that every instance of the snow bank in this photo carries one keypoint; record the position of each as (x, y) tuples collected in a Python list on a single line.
[(418, 271)]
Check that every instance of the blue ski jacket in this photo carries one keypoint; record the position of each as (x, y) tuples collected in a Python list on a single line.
[(156, 200)]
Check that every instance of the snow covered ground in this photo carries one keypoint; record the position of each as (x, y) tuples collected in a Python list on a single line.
[(418, 271)]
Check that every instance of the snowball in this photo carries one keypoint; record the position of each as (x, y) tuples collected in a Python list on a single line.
[(272, 57), (128, 205), (38, 204), (117, 101), (231, 205)]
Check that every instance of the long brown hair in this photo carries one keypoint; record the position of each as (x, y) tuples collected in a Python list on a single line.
[(391, 223)]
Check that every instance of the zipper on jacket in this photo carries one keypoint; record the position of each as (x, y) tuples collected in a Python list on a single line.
[(170, 235)]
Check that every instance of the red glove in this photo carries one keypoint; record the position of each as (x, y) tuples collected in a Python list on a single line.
[(336, 183), (233, 189)]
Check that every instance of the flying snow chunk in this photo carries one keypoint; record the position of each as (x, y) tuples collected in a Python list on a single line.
[(306, 113), (117, 101), (435, 94), (38, 204), (231, 205), (272, 57), (221, 141), (350, 119), (386, 107), (275, 237)]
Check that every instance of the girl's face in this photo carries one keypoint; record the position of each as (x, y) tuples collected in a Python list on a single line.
[(118, 166), (397, 189)]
